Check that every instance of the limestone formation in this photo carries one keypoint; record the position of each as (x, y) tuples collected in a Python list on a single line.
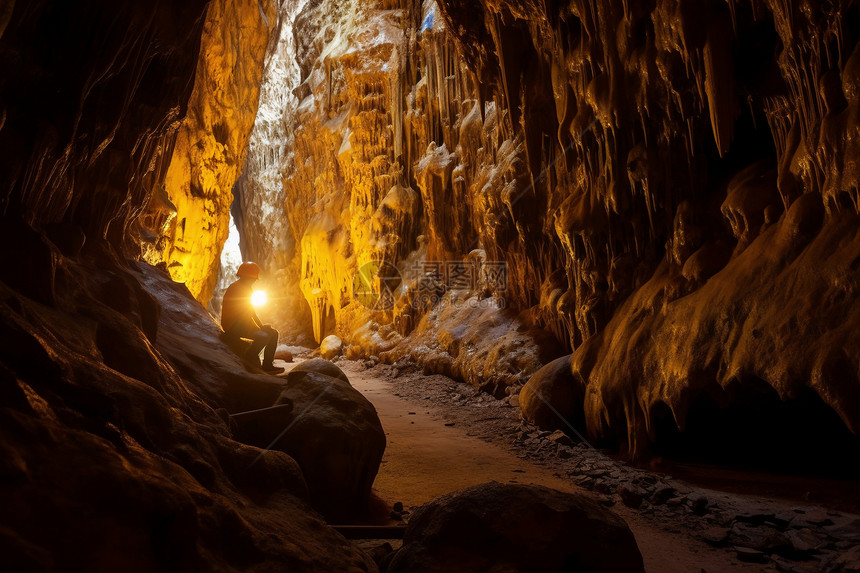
[(188, 217), (666, 189), (503, 527)]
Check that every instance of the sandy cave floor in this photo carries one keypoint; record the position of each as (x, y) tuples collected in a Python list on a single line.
[(442, 437)]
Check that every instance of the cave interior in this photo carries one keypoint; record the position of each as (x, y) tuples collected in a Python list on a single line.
[(637, 222)]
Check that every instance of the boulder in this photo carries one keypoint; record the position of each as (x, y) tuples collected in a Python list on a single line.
[(552, 398), (503, 527), (283, 353), (321, 366), (330, 347), (334, 434)]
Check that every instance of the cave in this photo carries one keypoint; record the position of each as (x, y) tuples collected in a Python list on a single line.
[(558, 286)]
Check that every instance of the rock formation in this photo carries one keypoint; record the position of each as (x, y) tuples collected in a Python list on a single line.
[(504, 527), (333, 433), (186, 224), (116, 455), (666, 188)]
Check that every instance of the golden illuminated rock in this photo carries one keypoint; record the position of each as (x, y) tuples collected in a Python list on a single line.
[(191, 216), (616, 161)]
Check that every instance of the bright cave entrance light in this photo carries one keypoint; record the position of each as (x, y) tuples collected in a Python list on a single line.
[(258, 298)]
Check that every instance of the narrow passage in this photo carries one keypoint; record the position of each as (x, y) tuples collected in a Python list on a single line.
[(426, 458)]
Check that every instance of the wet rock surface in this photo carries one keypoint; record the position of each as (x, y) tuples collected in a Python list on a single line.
[(518, 528)]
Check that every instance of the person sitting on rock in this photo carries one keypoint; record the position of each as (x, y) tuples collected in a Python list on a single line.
[(240, 320)]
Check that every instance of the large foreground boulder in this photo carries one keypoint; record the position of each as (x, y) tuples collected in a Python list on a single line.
[(523, 528), (332, 431), (552, 399)]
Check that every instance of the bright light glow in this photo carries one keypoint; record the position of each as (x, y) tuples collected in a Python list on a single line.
[(258, 298)]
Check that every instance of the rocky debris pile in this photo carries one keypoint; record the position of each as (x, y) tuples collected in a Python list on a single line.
[(331, 430), (795, 539), (503, 527)]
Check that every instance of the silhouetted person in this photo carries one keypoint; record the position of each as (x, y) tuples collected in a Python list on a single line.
[(240, 320)]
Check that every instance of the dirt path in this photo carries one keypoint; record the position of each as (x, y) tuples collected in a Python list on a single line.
[(434, 449)]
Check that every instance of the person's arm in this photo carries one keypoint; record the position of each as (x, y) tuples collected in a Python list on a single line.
[(256, 319)]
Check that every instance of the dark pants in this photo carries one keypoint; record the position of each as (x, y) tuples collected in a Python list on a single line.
[(266, 337)]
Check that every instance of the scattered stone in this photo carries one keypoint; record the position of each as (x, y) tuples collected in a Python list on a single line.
[(675, 501), (398, 506), (698, 503), (606, 500), (803, 540), (750, 555), (560, 438), (818, 516), (756, 518), (716, 536), (449, 424), (662, 494), (283, 354), (762, 538), (585, 482), (785, 566), (810, 516), (380, 552), (847, 561), (630, 496), (782, 519), (849, 530), (331, 346), (563, 452)]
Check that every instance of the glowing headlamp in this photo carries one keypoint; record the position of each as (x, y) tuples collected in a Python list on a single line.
[(258, 298)]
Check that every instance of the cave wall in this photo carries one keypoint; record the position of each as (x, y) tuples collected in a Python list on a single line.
[(187, 221), (669, 186), (116, 450), (92, 96)]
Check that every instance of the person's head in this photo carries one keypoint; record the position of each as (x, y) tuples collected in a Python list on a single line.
[(248, 271)]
